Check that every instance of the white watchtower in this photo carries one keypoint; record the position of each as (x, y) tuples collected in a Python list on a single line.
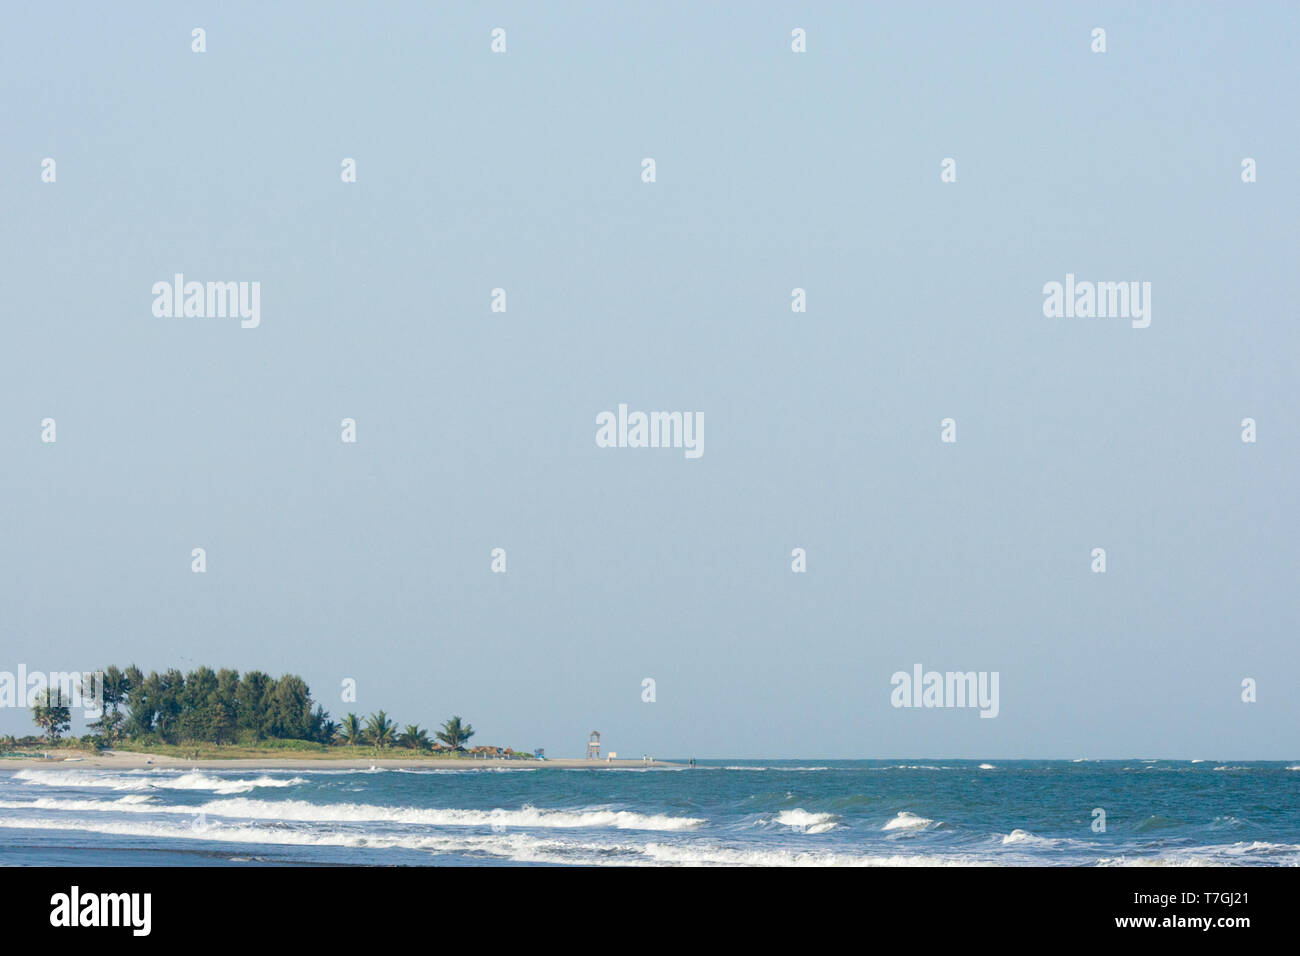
[(593, 746)]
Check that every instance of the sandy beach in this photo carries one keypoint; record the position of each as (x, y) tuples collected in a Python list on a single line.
[(121, 760)]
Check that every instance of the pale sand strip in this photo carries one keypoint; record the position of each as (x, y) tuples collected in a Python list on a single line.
[(121, 760)]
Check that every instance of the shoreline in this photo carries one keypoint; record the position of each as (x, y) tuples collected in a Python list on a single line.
[(130, 760)]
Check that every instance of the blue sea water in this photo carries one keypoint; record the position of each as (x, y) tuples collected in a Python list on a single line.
[(863, 812)]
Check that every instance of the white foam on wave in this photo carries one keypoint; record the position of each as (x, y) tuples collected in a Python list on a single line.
[(518, 847), (1258, 852), (805, 822), (152, 780), (131, 803), (527, 816), (773, 769), (912, 766), (1019, 836), (515, 846), (631, 769), (436, 770), (300, 811), (909, 821), (522, 847), (987, 766), (202, 781), (711, 855)]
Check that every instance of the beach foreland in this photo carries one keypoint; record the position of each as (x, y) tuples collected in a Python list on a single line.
[(130, 760)]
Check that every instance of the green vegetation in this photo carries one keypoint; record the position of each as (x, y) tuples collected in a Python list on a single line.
[(455, 734), (49, 715), (226, 714), (351, 732), (414, 737), (379, 730), (31, 746)]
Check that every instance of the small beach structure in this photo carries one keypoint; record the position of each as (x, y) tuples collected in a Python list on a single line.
[(593, 746)]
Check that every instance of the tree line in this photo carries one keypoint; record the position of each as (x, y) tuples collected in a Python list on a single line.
[(224, 706)]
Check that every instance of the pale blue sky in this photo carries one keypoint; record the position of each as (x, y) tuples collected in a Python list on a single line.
[(476, 430)]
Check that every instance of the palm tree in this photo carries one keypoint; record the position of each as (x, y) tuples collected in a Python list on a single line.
[(379, 730), (329, 730), (351, 731), (50, 715), (455, 734), (414, 736)]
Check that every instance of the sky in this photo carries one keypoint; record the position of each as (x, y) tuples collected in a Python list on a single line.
[(774, 170)]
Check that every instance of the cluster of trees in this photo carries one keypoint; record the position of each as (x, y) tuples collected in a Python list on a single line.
[(226, 707), (378, 731)]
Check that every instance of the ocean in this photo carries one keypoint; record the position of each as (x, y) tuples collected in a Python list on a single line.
[(769, 812)]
